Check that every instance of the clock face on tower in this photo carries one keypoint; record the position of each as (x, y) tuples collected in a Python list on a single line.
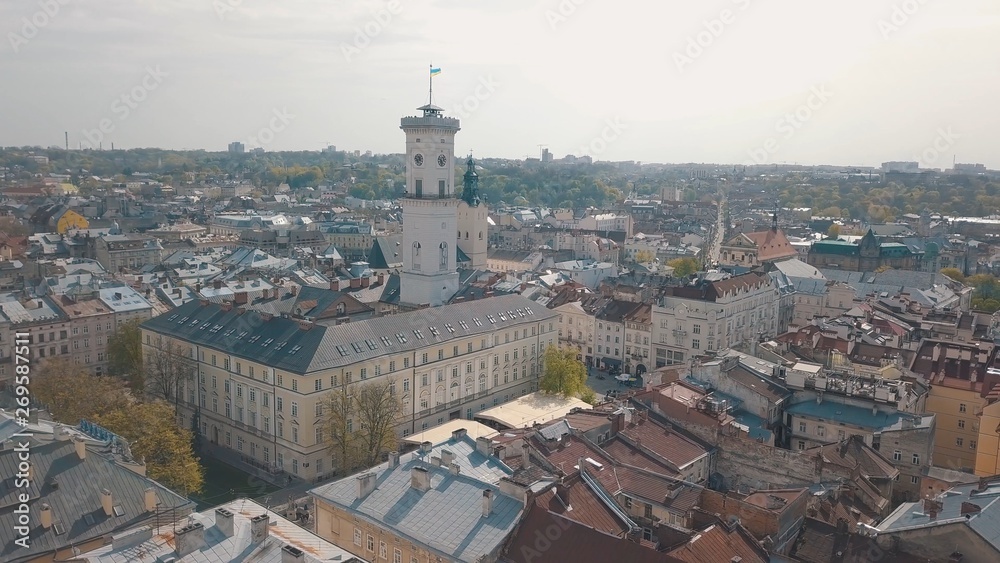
[(418, 159), (442, 160)]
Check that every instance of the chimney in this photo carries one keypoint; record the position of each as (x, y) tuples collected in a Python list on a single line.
[(381, 279), (226, 306), (45, 515), (189, 539), (335, 284), (483, 446), (617, 422), (420, 479), (366, 484), (240, 298), (525, 456), (487, 503), (436, 461), (224, 522), (149, 499), (393, 460), (447, 457), (62, 434), (454, 468), (355, 283), (426, 447), (31, 471), (81, 448), (365, 282), (258, 528), (217, 284), (292, 554), (459, 434), (968, 508), (294, 290), (107, 502)]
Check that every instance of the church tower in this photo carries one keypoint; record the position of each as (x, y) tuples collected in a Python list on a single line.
[(429, 248), (473, 219)]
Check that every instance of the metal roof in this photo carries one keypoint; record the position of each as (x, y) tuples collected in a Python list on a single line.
[(282, 343)]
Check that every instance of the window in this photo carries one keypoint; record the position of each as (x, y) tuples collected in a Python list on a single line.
[(295, 409), (959, 441), (444, 245), (821, 431), (648, 512), (914, 479), (279, 404), (696, 344), (415, 252), (802, 426), (961, 407), (397, 556), (972, 444), (916, 459), (897, 455), (295, 434), (357, 536), (961, 423), (318, 385), (383, 550), (802, 445), (371, 543)]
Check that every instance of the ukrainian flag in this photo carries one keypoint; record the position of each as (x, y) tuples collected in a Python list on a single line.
[(435, 71)]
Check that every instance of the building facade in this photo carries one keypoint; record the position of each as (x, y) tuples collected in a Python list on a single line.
[(473, 219), (262, 380)]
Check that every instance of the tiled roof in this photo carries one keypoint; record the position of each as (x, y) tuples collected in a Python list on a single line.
[(771, 245), (757, 384), (853, 452), (669, 445), (716, 544), (283, 343), (623, 452), (578, 502), (570, 541), (673, 494)]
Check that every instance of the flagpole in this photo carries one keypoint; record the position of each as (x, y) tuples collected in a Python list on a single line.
[(430, 86)]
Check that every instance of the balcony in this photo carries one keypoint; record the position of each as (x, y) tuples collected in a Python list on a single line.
[(679, 332)]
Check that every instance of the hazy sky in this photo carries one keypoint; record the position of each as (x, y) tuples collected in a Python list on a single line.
[(847, 82)]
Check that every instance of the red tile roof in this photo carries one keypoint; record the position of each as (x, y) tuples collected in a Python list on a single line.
[(543, 536), (671, 446), (716, 544), (578, 502)]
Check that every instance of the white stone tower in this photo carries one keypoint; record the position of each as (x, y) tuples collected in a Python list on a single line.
[(473, 218), (429, 206)]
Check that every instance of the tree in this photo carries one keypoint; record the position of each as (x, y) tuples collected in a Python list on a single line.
[(340, 437), (71, 393), (954, 273), (833, 232), (684, 267), (644, 256), (563, 374), (125, 353), (154, 437), (361, 422), (168, 367)]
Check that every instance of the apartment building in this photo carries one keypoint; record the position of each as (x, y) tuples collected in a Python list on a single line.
[(577, 322), (611, 333), (118, 252), (638, 331), (262, 378), (35, 316), (708, 315)]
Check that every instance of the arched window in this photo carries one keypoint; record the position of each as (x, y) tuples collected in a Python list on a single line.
[(466, 235), (416, 256), (444, 256), (341, 308), (480, 235)]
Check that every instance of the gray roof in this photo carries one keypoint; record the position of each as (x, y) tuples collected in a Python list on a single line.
[(448, 517), (77, 497), (218, 547), (796, 268), (985, 523), (283, 344)]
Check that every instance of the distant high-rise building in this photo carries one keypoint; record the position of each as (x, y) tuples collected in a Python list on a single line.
[(546, 155), (237, 147)]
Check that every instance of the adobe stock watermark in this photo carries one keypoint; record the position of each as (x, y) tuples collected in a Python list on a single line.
[(544, 539), (123, 106), (943, 141), (789, 124), (32, 25), (562, 13), (713, 29), (899, 16), (482, 92), (280, 119), (613, 129), (363, 35), (223, 7)]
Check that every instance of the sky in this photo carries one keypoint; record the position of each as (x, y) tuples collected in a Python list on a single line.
[(853, 82)]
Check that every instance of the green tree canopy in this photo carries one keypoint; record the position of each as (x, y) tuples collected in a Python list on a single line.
[(684, 267), (125, 353), (564, 374)]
